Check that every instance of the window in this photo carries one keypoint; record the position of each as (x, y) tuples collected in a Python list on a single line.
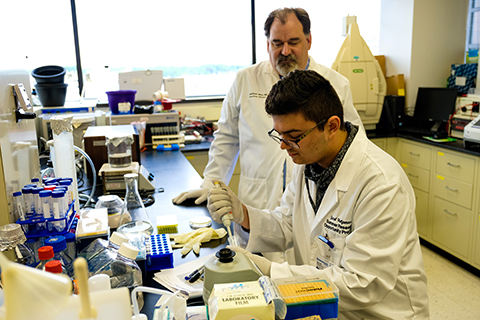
[(34, 34), (204, 42), (473, 25)]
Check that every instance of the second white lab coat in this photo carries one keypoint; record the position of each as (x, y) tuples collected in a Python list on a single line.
[(368, 212), (242, 132)]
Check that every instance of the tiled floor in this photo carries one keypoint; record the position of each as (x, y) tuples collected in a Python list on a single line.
[(454, 293)]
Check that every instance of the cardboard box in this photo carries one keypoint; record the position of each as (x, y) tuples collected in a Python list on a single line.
[(382, 63), (239, 301), (396, 85)]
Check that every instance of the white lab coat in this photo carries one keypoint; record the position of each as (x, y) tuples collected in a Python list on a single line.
[(368, 212), (243, 127)]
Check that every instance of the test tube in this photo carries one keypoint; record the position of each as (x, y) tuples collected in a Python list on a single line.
[(36, 199), (46, 203), (65, 198), (28, 200), (68, 184), (58, 204), (18, 206), (36, 182)]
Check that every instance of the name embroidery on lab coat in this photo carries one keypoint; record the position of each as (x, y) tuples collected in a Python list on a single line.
[(257, 95), (338, 225)]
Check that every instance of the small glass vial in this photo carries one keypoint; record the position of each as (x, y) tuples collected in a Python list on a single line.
[(18, 206), (28, 200), (46, 203)]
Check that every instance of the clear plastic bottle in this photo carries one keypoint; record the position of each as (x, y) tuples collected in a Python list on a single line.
[(45, 254), (13, 239), (55, 266), (123, 270), (59, 245), (134, 218), (18, 206), (100, 252), (34, 244)]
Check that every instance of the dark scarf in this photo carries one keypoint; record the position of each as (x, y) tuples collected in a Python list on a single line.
[(323, 177)]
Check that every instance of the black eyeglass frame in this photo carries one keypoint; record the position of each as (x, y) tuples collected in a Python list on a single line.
[(294, 143)]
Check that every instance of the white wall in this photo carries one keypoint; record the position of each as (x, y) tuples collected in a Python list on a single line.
[(422, 39)]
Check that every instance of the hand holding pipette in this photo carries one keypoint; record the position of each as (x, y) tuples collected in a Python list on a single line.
[(225, 207)]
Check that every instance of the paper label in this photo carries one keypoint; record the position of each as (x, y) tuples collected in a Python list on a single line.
[(46, 210), (124, 107), (56, 210)]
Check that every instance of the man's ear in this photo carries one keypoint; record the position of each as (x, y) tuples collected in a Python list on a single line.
[(332, 126)]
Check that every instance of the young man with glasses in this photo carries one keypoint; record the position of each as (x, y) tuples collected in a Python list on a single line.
[(349, 212), (265, 170)]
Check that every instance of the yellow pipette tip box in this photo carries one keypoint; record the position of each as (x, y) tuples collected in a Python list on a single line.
[(308, 296), (167, 224)]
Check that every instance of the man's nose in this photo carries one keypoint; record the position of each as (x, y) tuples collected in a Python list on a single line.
[(286, 49), (284, 146)]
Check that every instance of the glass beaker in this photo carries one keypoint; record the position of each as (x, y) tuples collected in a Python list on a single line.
[(134, 217), (119, 151)]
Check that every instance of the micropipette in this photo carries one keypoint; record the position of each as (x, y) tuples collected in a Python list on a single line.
[(227, 221)]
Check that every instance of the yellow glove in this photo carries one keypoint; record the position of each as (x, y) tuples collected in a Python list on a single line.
[(193, 240)]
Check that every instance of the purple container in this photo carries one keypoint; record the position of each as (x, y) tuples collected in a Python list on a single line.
[(121, 101)]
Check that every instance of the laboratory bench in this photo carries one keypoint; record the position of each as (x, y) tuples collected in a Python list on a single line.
[(174, 175)]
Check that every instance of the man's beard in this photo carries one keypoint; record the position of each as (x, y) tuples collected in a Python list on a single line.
[(284, 68)]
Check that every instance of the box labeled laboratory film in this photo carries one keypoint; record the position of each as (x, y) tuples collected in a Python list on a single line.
[(244, 300)]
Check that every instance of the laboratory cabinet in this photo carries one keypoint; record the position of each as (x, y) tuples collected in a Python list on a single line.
[(445, 182), (415, 160)]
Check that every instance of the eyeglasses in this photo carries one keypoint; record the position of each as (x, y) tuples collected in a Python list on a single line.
[(293, 143)]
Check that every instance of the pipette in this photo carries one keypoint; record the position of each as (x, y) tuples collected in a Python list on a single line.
[(227, 221)]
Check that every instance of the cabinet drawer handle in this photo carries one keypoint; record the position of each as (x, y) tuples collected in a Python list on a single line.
[(453, 165), (412, 175), (450, 189), (415, 154), (450, 213)]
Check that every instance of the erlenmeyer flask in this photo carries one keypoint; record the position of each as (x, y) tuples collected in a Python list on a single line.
[(134, 218)]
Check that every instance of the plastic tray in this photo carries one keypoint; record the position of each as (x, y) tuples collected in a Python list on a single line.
[(159, 252)]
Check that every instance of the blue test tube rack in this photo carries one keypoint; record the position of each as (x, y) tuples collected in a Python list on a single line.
[(159, 252)]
